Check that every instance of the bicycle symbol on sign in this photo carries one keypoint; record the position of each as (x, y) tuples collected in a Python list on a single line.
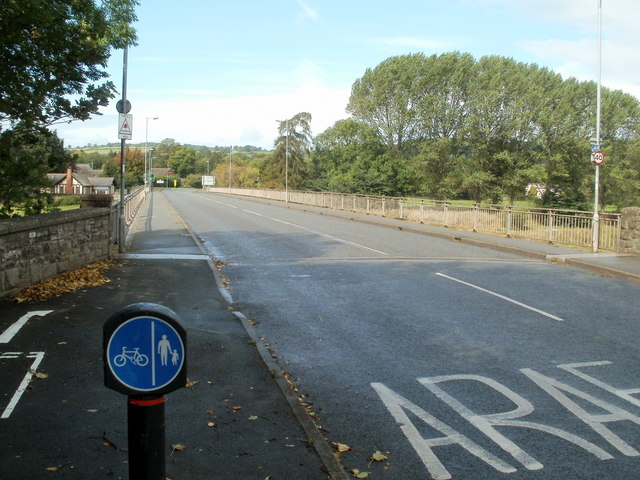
[(137, 358)]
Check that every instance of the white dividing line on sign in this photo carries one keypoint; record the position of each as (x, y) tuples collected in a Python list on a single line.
[(37, 356), (9, 333), (515, 302), (324, 235)]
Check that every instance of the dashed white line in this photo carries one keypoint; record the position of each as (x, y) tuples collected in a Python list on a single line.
[(515, 302), (324, 235)]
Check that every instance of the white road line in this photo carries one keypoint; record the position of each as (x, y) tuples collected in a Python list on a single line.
[(515, 302), (9, 333), (24, 384), (325, 235)]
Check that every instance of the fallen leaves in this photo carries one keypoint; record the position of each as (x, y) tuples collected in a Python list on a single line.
[(177, 447), (341, 447), (191, 383), (358, 474), (39, 375), (377, 456), (90, 276)]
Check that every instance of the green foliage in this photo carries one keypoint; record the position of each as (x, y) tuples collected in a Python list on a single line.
[(26, 155), (53, 57), (291, 159), (66, 201), (193, 181), (484, 129)]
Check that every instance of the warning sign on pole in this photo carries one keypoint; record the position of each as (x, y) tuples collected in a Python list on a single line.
[(125, 122)]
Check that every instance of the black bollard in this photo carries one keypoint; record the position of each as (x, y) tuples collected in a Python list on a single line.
[(145, 351), (146, 429)]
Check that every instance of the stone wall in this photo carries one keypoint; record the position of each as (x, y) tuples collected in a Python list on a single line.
[(630, 230), (42, 246)]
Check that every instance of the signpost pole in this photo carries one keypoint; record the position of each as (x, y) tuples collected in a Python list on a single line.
[(146, 431), (121, 211)]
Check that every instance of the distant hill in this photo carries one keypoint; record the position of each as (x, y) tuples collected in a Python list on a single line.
[(115, 146)]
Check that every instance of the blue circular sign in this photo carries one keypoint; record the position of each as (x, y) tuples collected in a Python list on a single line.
[(145, 353)]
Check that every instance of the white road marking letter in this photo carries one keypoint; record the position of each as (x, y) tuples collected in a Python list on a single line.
[(37, 356), (9, 333), (486, 423), (395, 403), (622, 393), (553, 387)]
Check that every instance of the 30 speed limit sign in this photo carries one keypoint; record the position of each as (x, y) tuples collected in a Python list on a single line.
[(598, 158)]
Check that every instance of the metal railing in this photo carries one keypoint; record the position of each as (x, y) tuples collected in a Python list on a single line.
[(570, 227), (132, 203)]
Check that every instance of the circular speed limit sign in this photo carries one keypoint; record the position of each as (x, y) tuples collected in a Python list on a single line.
[(598, 157)]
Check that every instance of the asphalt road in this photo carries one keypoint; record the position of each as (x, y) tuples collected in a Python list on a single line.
[(452, 361)]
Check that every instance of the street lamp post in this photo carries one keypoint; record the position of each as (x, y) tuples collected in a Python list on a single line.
[(230, 150), (286, 160), (146, 159), (596, 215)]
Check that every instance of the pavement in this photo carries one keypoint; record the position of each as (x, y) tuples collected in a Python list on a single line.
[(238, 417), (604, 263)]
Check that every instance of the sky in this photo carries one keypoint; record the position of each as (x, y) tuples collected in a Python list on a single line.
[(223, 72)]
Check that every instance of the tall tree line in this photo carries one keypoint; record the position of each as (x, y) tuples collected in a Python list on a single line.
[(450, 126)]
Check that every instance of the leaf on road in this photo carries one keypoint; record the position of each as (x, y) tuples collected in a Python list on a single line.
[(178, 447), (358, 474), (191, 383), (52, 469), (39, 375), (341, 447), (378, 456), (211, 424)]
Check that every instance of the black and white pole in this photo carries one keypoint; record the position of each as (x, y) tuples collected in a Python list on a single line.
[(145, 357)]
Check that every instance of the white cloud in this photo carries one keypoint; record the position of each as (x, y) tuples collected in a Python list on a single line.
[(307, 11), (413, 43), (210, 119)]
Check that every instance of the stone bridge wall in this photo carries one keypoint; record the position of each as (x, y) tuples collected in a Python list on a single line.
[(630, 230), (42, 246)]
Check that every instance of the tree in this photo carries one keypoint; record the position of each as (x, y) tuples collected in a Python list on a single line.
[(343, 155), (387, 96), (183, 160), (292, 146), (53, 56), (23, 173)]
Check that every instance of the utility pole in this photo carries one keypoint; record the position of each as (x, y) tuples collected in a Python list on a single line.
[(123, 190), (596, 208)]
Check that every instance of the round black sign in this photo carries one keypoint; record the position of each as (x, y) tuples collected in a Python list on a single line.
[(123, 107)]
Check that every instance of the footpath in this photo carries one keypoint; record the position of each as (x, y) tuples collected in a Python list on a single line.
[(603, 263)]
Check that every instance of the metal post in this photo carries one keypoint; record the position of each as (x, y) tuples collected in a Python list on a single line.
[(596, 215), (121, 216), (230, 150), (146, 431), (286, 163)]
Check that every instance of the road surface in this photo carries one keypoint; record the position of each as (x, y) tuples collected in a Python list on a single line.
[(450, 361)]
